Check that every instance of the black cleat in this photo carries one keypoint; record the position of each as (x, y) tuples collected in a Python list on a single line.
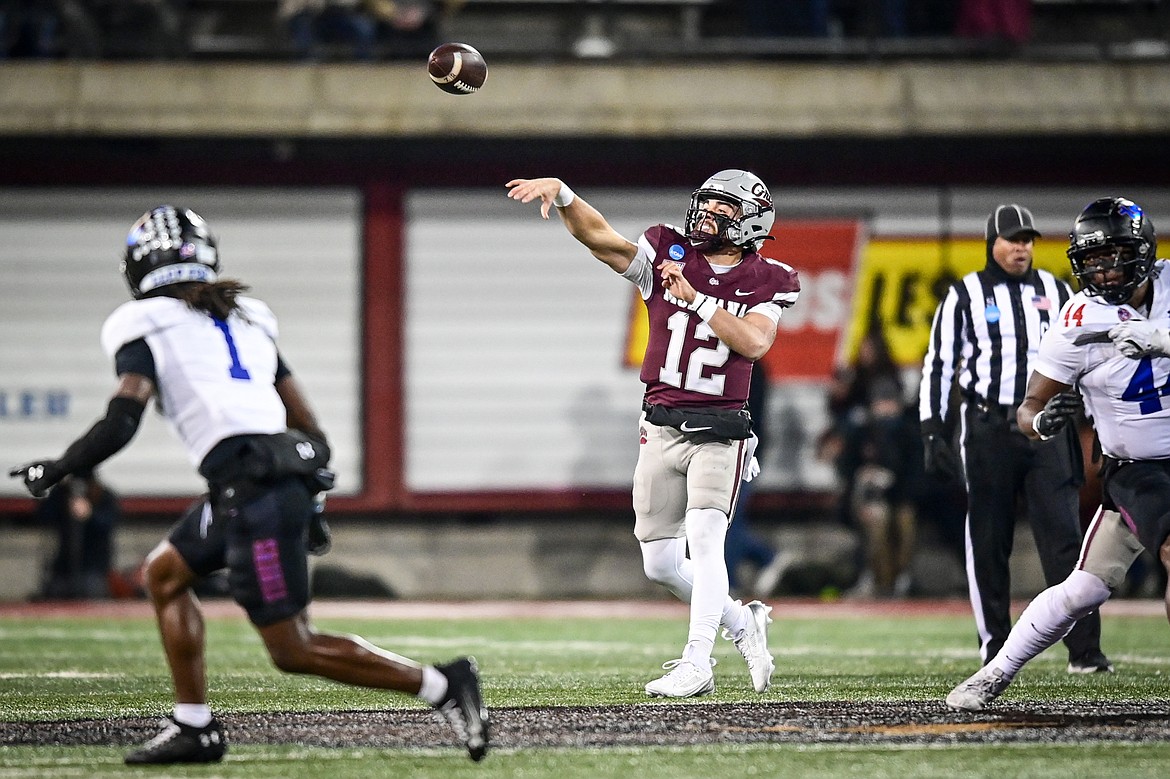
[(1092, 663), (179, 743), (463, 705)]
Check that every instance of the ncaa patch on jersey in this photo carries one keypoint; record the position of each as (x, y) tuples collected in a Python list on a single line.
[(676, 252)]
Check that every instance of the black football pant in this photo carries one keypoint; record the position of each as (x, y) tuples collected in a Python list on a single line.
[(1007, 475)]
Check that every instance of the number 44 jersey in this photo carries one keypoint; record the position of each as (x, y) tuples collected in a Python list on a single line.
[(215, 378), (1128, 399), (686, 365)]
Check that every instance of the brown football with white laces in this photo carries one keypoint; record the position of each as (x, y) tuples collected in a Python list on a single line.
[(457, 68)]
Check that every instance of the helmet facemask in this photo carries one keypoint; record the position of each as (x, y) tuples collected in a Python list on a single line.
[(1096, 268), (727, 226), (747, 228), (1110, 235)]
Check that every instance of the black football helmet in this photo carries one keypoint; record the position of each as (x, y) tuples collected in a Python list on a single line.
[(1119, 224), (169, 245), (743, 190)]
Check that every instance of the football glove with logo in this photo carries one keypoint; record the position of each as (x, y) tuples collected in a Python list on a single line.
[(39, 476), (1137, 338)]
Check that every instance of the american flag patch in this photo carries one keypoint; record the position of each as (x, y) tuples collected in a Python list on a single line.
[(1041, 302)]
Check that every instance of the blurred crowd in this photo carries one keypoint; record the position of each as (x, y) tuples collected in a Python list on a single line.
[(366, 30), (874, 443), (163, 29), (1004, 19)]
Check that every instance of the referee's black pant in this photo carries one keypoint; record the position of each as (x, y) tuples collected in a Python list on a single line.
[(1007, 474)]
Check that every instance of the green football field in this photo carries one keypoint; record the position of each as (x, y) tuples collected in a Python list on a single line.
[(857, 692)]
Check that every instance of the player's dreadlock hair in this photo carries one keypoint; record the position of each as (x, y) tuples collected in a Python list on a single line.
[(217, 298)]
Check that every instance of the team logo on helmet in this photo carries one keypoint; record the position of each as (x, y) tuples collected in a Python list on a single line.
[(169, 245)]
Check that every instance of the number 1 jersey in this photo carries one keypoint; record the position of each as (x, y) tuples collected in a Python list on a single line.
[(215, 378)]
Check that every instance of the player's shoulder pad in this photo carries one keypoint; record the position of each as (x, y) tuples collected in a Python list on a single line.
[(136, 319), (1160, 274), (258, 313), (662, 235), (783, 279), (1084, 313)]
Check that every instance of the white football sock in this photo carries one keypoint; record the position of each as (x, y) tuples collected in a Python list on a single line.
[(434, 685), (1049, 618), (706, 530), (197, 715)]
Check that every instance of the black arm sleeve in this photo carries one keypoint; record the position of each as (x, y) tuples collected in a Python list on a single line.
[(106, 438), (282, 369), (135, 357)]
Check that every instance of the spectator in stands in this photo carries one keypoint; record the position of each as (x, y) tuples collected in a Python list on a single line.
[(312, 23), (28, 28), (768, 18), (822, 18), (394, 28), (409, 28), (873, 445), (84, 514), (1009, 20)]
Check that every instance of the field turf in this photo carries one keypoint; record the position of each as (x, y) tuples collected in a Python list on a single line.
[(857, 692)]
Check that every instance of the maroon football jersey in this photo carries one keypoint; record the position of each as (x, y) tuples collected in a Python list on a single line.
[(685, 364)]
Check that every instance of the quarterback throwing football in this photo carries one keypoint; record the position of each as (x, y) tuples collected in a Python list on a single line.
[(713, 303)]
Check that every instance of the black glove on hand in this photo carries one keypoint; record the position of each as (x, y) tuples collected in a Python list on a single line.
[(940, 459), (39, 476), (1056, 413)]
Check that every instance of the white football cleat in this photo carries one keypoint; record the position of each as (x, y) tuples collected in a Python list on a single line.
[(979, 690), (753, 645), (683, 679)]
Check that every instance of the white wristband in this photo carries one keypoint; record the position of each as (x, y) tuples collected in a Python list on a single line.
[(704, 305), (1036, 419), (564, 197)]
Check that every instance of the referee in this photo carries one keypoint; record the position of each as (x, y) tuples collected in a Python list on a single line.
[(985, 334)]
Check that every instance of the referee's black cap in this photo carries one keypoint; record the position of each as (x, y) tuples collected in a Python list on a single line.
[(1012, 222)]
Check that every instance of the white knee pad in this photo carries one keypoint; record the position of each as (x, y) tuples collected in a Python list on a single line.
[(664, 561), (1081, 593)]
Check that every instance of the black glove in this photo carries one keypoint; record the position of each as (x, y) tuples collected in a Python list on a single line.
[(39, 476), (1056, 413), (318, 539), (939, 458)]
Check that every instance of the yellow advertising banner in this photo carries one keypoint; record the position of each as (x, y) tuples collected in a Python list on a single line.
[(901, 281)]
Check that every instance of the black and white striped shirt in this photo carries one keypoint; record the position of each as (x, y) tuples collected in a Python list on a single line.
[(985, 337)]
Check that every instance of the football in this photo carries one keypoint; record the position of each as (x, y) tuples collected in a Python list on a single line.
[(457, 68)]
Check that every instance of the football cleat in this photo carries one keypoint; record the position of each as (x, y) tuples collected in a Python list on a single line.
[(463, 707), (1093, 663), (179, 743), (683, 679), (753, 645), (984, 686)]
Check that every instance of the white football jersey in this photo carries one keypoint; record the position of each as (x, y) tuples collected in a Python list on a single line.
[(215, 377), (1128, 399)]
